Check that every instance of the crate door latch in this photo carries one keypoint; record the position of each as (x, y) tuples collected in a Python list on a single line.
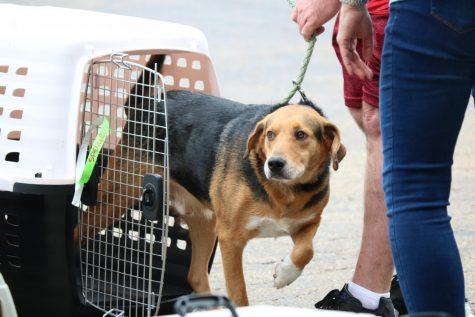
[(152, 196)]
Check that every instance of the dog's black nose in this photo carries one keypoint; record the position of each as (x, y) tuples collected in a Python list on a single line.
[(276, 164)]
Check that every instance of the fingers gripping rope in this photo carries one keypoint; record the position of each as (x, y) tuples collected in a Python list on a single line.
[(303, 68), (85, 166)]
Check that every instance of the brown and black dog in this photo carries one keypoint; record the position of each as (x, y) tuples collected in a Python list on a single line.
[(241, 172)]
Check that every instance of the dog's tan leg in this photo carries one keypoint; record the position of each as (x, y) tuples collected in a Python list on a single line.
[(231, 251), (203, 239), (290, 268)]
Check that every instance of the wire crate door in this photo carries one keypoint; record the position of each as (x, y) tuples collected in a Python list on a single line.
[(123, 223)]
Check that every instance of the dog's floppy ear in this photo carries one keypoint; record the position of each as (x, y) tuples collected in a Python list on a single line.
[(332, 139), (254, 138)]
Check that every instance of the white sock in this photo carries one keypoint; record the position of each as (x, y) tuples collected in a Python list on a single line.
[(369, 299)]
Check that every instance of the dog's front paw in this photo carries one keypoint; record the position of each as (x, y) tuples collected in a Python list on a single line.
[(285, 273)]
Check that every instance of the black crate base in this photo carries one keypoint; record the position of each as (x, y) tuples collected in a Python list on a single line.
[(40, 263), (36, 254)]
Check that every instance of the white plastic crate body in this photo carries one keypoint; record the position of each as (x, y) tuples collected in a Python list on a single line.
[(50, 49), (273, 311)]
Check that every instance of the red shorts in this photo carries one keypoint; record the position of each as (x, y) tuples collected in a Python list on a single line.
[(355, 89)]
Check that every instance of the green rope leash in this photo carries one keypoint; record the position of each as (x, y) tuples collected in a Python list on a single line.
[(303, 68)]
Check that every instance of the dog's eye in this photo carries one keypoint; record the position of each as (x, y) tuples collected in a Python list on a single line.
[(270, 135), (300, 135)]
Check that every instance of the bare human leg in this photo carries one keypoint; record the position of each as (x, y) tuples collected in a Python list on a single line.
[(375, 267)]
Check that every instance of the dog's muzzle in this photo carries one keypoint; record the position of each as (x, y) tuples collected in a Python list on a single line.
[(275, 168)]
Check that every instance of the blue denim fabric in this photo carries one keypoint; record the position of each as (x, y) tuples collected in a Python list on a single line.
[(427, 74)]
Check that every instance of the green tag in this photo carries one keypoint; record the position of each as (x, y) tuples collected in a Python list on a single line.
[(97, 144)]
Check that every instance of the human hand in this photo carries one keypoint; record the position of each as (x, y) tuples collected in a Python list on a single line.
[(310, 15), (355, 23)]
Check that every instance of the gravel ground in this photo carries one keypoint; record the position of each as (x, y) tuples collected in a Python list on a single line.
[(257, 51)]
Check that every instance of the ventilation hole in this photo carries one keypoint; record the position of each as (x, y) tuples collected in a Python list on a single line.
[(134, 235), (12, 240), (134, 57), (168, 60), (14, 261), (181, 62), (169, 80), (2, 90), (87, 124), (12, 157), (102, 71), (16, 114), (12, 220), (119, 73), (104, 91), (199, 85), (171, 221), (102, 232), (104, 110), (136, 215), (14, 136), (134, 75), (184, 225), (83, 87), (120, 93), (118, 132), (196, 65), (19, 92), (184, 83), (117, 232), (169, 242), (181, 244), (22, 71), (1, 111), (3, 68), (120, 113), (150, 238)]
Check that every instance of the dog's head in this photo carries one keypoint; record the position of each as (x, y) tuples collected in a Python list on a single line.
[(294, 141)]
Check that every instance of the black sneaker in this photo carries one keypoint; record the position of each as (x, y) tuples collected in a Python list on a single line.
[(344, 301), (396, 297)]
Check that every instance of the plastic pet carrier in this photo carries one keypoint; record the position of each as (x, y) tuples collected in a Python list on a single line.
[(83, 119)]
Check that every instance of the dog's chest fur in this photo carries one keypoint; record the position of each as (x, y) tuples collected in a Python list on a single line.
[(268, 227)]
